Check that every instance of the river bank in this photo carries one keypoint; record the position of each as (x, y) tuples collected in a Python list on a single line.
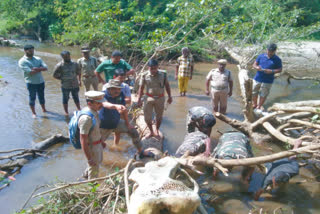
[(65, 163)]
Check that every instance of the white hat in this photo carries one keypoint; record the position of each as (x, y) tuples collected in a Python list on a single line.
[(222, 61), (96, 96)]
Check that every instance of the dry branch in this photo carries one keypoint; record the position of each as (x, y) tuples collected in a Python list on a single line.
[(201, 160), (275, 133), (313, 125), (79, 183)]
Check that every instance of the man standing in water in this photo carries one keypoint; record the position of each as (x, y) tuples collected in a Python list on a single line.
[(156, 82), (267, 64), (111, 113), (32, 68), (184, 70), (87, 65), (110, 65), (69, 73), (90, 137), (221, 83)]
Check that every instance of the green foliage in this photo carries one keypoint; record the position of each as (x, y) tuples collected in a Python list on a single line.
[(28, 16), (141, 28)]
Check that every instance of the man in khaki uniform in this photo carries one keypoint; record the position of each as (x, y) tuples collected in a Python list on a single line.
[(156, 82), (221, 84), (88, 65), (90, 138), (68, 72)]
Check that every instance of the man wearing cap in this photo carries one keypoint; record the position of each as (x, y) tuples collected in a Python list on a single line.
[(201, 118), (184, 70), (196, 142), (110, 65), (88, 64), (267, 64), (120, 75), (156, 82), (279, 172), (90, 137), (114, 107), (68, 72), (221, 83), (32, 67)]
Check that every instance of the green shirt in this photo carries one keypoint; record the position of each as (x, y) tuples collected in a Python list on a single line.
[(108, 68), (26, 66)]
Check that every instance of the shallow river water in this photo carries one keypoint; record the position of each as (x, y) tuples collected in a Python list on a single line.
[(19, 130)]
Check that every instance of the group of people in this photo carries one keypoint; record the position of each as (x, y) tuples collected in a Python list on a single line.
[(233, 145), (109, 106)]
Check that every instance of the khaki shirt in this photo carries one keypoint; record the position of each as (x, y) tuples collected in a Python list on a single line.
[(155, 85), (87, 66), (67, 73), (219, 81), (85, 124)]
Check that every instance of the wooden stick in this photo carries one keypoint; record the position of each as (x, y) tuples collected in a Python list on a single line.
[(195, 184), (313, 125), (27, 201), (78, 183), (280, 136), (126, 183), (117, 197), (265, 118)]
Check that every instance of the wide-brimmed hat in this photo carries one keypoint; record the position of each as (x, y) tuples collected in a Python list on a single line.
[(222, 61), (113, 83), (96, 96)]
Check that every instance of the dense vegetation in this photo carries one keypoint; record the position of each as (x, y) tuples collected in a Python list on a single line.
[(143, 27)]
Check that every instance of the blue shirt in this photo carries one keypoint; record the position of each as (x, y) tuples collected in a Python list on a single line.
[(267, 63), (111, 117), (26, 66)]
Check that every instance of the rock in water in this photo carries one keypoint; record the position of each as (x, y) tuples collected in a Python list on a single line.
[(157, 192)]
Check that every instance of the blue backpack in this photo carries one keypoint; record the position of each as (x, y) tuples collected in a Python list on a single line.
[(74, 133)]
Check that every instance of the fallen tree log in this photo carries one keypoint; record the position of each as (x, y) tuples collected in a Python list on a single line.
[(291, 76), (191, 162), (312, 106), (312, 125), (15, 161), (47, 143), (297, 115), (275, 133)]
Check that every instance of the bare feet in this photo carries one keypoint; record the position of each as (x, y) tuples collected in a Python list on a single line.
[(34, 116)]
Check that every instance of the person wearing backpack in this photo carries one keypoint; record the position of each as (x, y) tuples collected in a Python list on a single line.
[(221, 84), (89, 129)]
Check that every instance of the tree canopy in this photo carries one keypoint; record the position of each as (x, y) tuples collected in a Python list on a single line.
[(140, 27)]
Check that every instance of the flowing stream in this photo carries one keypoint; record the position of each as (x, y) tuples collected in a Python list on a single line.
[(225, 195)]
